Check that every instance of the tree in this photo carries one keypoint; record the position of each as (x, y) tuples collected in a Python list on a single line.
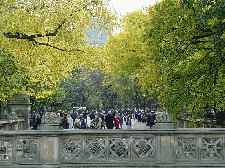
[(10, 72), (177, 56), (125, 54), (183, 44), (48, 38)]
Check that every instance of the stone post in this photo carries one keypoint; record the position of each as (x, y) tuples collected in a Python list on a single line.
[(50, 121), (164, 142), (164, 120), (21, 105), (49, 145)]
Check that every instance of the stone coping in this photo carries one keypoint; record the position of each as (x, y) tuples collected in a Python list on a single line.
[(112, 132), (11, 121)]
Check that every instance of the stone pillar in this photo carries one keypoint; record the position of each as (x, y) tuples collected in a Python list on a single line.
[(21, 105), (186, 123), (164, 120), (50, 121), (165, 142), (49, 145), (49, 150)]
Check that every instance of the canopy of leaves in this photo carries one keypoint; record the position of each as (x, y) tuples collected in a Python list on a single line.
[(175, 51), (125, 54), (10, 74), (48, 37), (185, 47)]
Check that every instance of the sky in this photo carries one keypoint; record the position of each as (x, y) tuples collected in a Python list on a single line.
[(124, 6), (121, 7)]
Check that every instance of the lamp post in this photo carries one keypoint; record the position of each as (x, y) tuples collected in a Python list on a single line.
[(144, 102)]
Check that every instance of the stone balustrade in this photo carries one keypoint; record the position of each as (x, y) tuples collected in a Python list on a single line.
[(113, 148)]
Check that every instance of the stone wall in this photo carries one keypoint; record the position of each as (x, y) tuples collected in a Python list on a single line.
[(20, 104), (171, 148)]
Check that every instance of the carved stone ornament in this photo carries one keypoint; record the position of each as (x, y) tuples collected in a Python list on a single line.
[(19, 98), (49, 117), (13, 116), (164, 117)]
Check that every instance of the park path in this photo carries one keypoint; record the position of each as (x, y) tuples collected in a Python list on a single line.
[(135, 125)]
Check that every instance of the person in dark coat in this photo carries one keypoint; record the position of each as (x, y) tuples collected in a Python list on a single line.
[(92, 116), (151, 119), (128, 121), (38, 120), (74, 116), (109, 120), (34, 121), (82, 124), (64, 122)]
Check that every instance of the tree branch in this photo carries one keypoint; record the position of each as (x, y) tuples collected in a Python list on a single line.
[(46, 44), (197, 42), (18, 35), (31, 38), (201, 36)]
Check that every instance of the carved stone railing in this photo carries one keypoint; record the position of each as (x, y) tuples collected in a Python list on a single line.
[(113, 148), (50, 121), (164, 120), (11, 121)]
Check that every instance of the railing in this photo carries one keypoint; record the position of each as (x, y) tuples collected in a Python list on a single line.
[(113, 148)]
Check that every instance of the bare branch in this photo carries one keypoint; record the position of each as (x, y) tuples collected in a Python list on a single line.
[(201, 36), (31, 38), (18, 35), (46, 44)]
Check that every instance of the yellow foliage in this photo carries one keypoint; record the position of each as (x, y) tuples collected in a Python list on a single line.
[(49, 37)]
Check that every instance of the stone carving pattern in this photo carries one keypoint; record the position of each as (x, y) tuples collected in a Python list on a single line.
[(49, 117), (6, 150), (27, 150), (211, 148), (143, 148), (164, 117), (20, 126), (13, 116), (4, 114), (187, 148), (181, 123), (119, 148), (95, 148), (72, 149), (20, 98)]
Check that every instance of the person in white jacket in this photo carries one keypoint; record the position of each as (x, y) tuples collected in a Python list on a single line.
[(70, 121)]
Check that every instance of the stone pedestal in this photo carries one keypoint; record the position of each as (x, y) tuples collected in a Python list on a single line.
[(49, 121), (164, 120), (21, 105), (164, 143)]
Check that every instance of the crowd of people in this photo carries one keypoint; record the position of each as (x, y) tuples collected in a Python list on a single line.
[(35, 120), (110, 119), (105, 119)]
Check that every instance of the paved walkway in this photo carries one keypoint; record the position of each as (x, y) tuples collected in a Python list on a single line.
[(136, 125)]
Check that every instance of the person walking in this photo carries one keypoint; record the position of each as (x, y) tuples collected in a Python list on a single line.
[(38, 120), (82, 124), (77, 122), (117, 122), (92, 116), (73, 115), (64, 122), (98, 121), (102, 116), (70, 121), (151, 119), (109, 120), (34, 121), (128, 121)]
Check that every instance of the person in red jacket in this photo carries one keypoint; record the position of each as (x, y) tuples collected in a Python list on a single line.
[(117, 121)]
